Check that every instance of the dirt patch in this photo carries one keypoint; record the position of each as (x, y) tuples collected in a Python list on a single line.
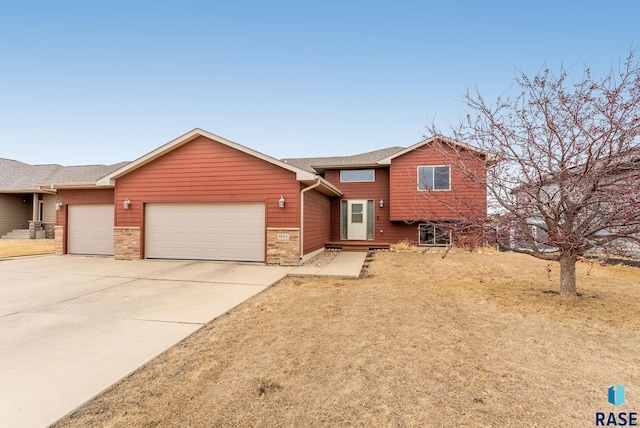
[(25, 247), (466, 340)]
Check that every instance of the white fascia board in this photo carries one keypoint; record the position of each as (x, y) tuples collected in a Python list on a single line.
[(388, 159), (325, 187), (347, 166), (80, 185), (24, 191), (331, 187)]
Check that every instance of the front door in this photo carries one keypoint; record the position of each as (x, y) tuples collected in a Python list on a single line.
[(357, 220)]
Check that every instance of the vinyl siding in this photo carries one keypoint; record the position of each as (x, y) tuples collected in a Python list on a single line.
[(317, 218), (409, 204), (49, 214), (14, 214)]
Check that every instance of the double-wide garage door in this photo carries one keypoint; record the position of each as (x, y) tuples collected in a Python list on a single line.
[(212, 231)]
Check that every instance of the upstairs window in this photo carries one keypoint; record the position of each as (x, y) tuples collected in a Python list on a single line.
[(357, 175), (434, 177)]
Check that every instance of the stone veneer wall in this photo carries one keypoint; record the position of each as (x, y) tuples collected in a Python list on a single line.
[(283, 246), (126, 243), (59, 239), (34, 226), (49, 229)]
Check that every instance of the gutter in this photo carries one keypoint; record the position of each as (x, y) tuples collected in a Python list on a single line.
[(302, 192), (77, 185)]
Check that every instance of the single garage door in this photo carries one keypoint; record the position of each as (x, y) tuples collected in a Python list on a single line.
[(90, 229), (215, 231)]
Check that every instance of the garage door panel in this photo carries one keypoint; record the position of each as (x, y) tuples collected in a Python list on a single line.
[(215, 231), (90, 229)]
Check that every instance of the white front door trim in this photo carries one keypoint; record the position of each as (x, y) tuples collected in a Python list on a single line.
[(357, 219)]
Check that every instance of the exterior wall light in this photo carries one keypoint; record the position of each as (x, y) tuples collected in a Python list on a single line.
[(127, 204), (58, 205), (281, 201), (381, 203)]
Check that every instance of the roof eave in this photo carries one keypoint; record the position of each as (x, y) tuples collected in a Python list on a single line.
[(321, 168), (325, 187), (447, 140), (24, 191), (65, 186)]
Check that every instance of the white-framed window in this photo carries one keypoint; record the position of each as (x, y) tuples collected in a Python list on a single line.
[(435, 177), (357, 175), (357, 213), (433, 235)]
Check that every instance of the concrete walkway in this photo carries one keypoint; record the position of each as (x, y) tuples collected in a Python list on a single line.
[(347, 264)]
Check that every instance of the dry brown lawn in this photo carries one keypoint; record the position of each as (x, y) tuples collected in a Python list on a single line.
[(468, 340), (25, 247)]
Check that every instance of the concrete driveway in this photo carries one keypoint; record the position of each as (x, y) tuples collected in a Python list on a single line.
[(72, 326)]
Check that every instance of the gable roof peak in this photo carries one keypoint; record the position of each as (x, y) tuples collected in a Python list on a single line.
[(302, 175), (434, 138)]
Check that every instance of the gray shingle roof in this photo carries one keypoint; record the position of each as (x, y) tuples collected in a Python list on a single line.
[(21, 177), (362, 159)]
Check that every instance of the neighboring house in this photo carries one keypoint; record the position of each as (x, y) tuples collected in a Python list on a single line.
[(27, 209), (601, 203), (203, 197)]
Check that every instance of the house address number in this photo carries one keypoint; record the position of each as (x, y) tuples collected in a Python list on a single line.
[(283, 236)]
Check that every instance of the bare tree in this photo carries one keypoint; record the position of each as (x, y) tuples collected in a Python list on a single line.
[(566, 181)]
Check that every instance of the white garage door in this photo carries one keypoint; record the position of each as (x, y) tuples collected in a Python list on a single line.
[(220, 231), (90, 229)]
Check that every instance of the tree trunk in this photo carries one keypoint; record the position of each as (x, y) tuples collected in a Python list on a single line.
[(567, 275)]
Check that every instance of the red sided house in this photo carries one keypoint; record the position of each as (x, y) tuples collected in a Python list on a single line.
[(203, 197), (418, 194)]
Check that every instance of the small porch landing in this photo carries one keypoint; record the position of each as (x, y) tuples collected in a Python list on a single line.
[(16, 234), (358, 245)]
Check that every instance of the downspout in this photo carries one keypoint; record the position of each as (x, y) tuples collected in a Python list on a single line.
[(302, 192)]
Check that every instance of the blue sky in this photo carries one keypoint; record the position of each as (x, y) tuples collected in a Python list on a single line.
[(106, 81)]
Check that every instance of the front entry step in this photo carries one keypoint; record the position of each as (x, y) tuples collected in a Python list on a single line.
[(357, 245), (17, 234)]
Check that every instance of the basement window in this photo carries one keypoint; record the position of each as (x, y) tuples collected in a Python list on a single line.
[(433, 235)]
